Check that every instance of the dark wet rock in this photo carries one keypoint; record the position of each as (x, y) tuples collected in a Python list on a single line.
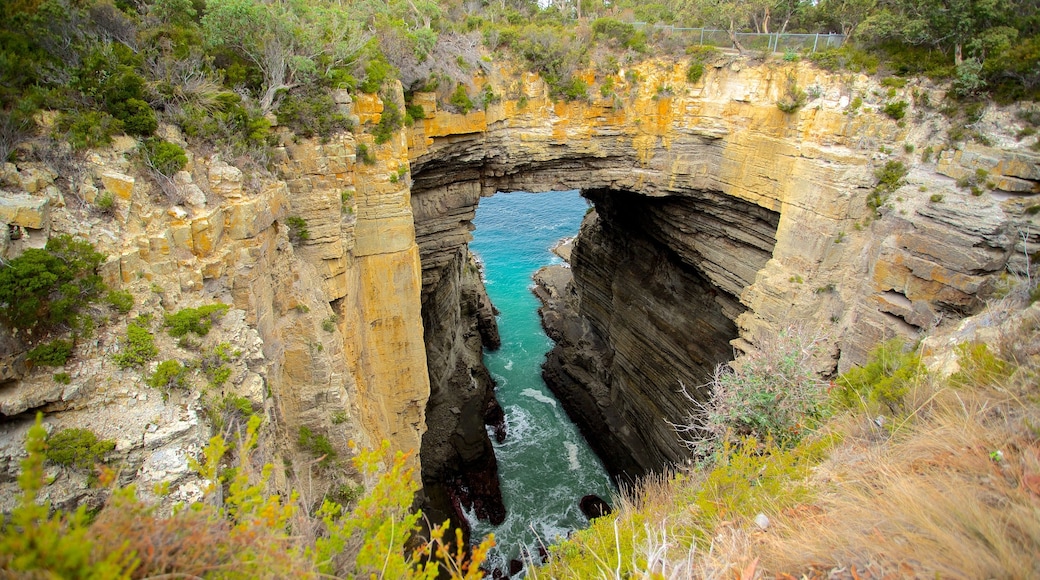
[(593, 506)]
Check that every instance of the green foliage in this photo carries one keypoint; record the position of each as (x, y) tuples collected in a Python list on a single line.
[(770, 394), (329, 324), (574, 89), (390, 120), (105, 202), (120, 300), (893, 82), (42, 289), (138, 347), (751, 477), (311, 112), (77, 448), (936, 198), (460, 99), (620, 34), (694, 72), (52, 354), (36, 543), (886, 378), (377, 70), (317, 445), (979, 366), (229, 122), (168, 375), (364, 155), (165, 157), (895, 110), (890, 178), (195, 320), (87, 129), (218, 375), (794, 97), (846, 58), (298, 231), (62, 378), (414, 112)]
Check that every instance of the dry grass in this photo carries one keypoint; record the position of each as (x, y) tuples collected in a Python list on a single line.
[(946, 485), (953, 493)]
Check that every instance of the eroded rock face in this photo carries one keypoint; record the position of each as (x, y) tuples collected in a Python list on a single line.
[(720, 220)]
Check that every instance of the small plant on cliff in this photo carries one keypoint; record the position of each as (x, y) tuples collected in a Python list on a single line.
[(79, 448), (364, 155), (794, 97), (43, 289), (164, 157), (138, 347), (195, 320), (460, 99), (886, 378), (390, 120), (298, 231), (170, 374), (318, 445), (896, 110), (53, 354), (120, 300), (890, 178), (771, 393)]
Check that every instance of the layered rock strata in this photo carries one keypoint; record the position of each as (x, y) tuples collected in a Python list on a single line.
[(721, 219)]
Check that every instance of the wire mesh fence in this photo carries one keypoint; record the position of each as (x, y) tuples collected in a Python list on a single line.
[(775, 42)]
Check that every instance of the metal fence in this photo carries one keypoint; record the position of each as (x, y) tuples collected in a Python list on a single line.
[(772, 41)]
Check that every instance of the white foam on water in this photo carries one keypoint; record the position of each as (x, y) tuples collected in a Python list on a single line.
[(539, 396), (572, 455), (509, 365)]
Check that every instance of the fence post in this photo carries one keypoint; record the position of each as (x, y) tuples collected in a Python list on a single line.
[(702, 36), (815, 42)]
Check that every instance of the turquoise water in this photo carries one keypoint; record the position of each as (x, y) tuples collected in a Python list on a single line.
[(544, 465)]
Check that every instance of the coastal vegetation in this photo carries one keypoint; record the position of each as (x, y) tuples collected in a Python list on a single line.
[(884, 458)]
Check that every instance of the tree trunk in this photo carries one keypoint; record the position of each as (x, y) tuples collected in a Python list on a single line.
[(733, 36), (958, 56)]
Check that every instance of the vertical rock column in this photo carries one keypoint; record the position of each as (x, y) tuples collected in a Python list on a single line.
[(393, 385)]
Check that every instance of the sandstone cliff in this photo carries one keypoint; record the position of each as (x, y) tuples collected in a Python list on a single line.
[(718, 218)]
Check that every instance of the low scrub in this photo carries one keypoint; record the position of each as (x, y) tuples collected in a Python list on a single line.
[(197, 321)]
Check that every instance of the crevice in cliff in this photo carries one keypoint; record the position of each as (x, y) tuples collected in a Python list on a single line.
[(651, 309)]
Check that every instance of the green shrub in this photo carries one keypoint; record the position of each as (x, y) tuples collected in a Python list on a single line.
[(936, 198), (87, 129), (218, 375), (773, 393), (886, 378), (846, 58), (138, 118), (105, 202), (138, 348), (62, 378), (168, 375), (52, 354), (120, 300), (390, 120), (77, 448), (195, 320), (317, 445), (377, 70), (312, 112), (42, 289), (694, 72), (979, 366), (460, 99), (890, 178), (364, 155), (895, 110), (414, 113), (574, 89), (329, 324), (165, 157), (298, 231), (794, 97), (893, 82)]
